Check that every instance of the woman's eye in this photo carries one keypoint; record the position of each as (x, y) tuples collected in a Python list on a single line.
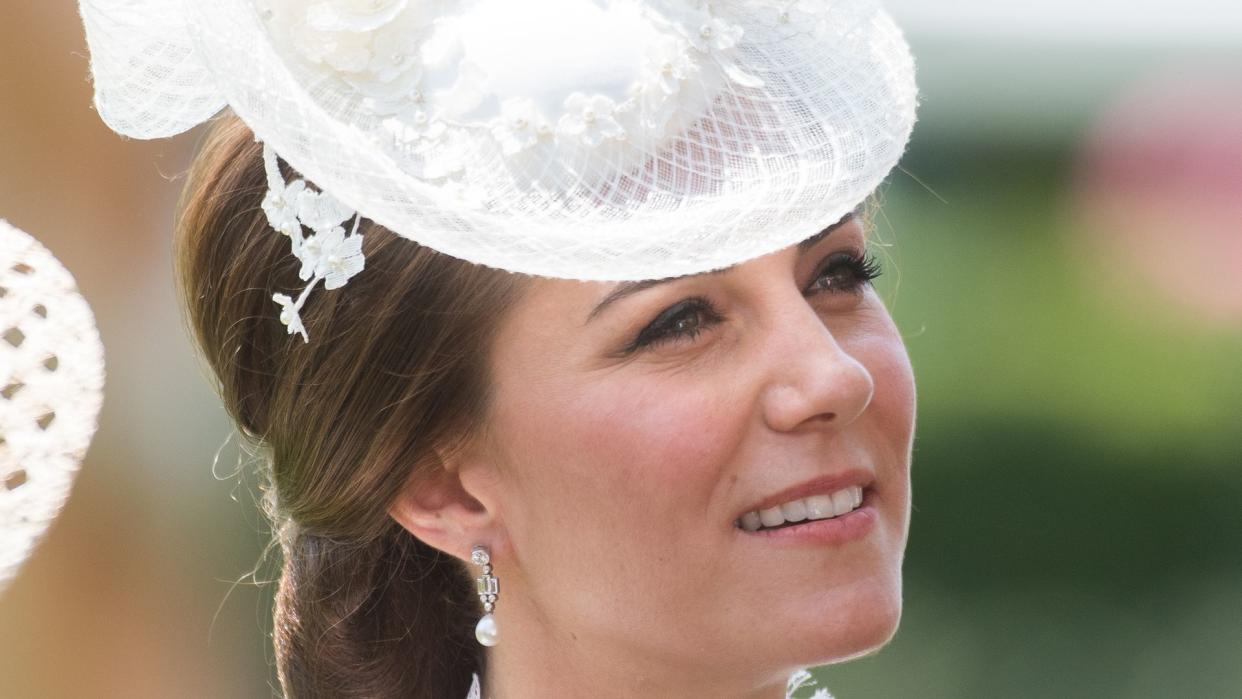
[(684, 320), (841, 272), (845, 271)]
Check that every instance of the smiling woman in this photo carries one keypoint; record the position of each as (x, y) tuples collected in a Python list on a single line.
[(607, 332), (627, 459)]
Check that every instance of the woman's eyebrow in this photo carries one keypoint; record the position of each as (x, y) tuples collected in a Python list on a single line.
[(626, 288)]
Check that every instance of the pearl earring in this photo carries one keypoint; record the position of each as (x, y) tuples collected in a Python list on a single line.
[(488, 587)]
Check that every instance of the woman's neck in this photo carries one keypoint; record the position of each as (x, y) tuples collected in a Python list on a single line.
[(530, 664)]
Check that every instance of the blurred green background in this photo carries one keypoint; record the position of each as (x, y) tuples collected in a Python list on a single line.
[(1063, 252)]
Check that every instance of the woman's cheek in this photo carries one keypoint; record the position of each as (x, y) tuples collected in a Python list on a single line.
[(641, 458), (654, 433), (895, 393), (890, 424), (876, 343), (610, 446)]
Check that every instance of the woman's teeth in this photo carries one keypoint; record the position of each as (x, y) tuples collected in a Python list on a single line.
[(814, 507)]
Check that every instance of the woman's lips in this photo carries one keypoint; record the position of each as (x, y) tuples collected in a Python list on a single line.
[(822, 485)]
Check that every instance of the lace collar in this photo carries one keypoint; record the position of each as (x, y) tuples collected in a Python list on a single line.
[(799, 681)]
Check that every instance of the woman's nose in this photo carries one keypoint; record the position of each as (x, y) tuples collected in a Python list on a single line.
[(813, 379)]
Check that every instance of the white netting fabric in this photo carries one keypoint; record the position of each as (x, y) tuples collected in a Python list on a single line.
[(149, 82), (800, 685), (51, 390), (586, 139)]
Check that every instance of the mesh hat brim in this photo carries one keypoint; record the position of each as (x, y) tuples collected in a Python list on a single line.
[(760, 168), (149, 80)]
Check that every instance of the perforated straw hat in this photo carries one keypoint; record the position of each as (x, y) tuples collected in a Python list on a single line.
[(581, 139)]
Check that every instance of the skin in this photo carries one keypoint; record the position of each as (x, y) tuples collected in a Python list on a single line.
[(607, 486)]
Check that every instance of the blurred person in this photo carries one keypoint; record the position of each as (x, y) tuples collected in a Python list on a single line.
[(1167, 155), (595, 319)]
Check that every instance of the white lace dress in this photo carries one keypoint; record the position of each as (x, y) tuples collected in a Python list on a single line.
[(800, 683)]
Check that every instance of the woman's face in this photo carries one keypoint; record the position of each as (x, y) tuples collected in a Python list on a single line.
[(630, 437)]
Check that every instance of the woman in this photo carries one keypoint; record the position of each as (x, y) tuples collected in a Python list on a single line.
[(674, 485)]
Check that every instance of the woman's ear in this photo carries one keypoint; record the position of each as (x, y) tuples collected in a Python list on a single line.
[(451, 507)]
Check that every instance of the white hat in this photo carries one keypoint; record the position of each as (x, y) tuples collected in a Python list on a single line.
[(51, 369), (582, 139)]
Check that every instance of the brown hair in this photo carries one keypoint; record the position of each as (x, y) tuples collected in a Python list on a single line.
[(395, 373)]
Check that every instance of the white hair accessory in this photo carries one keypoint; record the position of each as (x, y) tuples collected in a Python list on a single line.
[(800, 682), (583, 139), (51, 369)]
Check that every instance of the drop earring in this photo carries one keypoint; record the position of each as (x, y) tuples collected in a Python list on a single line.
[(488, 588)]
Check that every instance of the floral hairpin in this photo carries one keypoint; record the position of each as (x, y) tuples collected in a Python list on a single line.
[(327, 254)]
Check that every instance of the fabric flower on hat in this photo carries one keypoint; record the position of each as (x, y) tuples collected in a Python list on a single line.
[(714, 34), (668, 64), (372, 45), (590, 119), (414, 130), (520, 126), (667, 69), (791, 16), (704, 30), (353, 15), (394, 74)]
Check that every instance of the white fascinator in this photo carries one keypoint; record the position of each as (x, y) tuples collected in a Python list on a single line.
[(51, 390), (580, 139)]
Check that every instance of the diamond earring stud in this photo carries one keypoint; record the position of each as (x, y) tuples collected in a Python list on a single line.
[(488, 588)]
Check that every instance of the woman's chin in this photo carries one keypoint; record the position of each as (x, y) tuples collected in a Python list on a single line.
[(870, 643), (860, 628)]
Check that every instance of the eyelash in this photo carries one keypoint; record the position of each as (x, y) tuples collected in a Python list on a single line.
[(863, 268)]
